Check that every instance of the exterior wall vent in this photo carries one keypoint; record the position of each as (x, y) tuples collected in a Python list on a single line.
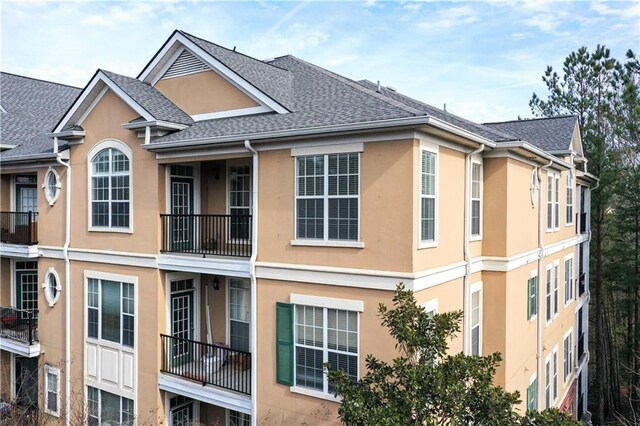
[(186, 63)]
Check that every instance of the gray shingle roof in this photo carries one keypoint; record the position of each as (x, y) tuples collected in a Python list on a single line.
[(270, 79), (33, 107), (549, 134), (150, 99)]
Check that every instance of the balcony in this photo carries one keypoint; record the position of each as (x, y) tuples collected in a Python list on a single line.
[(583, 223), (19, 331), (19, 234)]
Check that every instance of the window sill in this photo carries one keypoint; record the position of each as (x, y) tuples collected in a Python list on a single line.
[(475, 238), (427, 244), (315, 394), (115, 230), (533, 318), (328, 243)]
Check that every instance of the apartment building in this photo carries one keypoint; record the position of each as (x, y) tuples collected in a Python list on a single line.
[(192, 244)]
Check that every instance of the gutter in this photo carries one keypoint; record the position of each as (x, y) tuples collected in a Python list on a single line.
[(542, 254), (466, 329), (534, 150), (67, 298), (310, 131), (254, 285)]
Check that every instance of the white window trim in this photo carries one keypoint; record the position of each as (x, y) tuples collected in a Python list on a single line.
[(554, 377), (573, 198), (476, 160), (326, 302), (571, 278), (346, 148), (475, 288), (126, 150), (555, 287), (51, 199), (430, 306), (532, 379), (569, 333), (548, 294), (429, 147), (48, 369), (556, 205), (45, 285), (326, 241), (548, 365), (554, 201), (534, 274)]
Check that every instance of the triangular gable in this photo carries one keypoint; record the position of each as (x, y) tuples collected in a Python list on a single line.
[(165, 59), (89, 97), (576, 140)]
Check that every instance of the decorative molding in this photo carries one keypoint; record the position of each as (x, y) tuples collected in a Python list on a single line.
[(19, 251), (327, 302), (20, 348), (232, 113)]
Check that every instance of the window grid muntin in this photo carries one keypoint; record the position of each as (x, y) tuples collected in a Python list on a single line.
[(476, 199), (328, 197), (321, 314), (126, 308), (428, 195), (569, 209), (110, 189)]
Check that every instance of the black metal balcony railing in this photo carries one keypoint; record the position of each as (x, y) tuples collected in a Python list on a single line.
[(19, 324), (582, 284), (19, 227), (208, 364), (583, 223), (221, 235)]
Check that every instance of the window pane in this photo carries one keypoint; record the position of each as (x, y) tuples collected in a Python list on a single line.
[(475, 217), (110, 408), (428, 216), (343, 218), (111, 311), (310, 218), (100, 214), (309, 368), (348, 363)]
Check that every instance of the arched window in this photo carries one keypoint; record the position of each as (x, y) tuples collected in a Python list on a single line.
[(110, 188)]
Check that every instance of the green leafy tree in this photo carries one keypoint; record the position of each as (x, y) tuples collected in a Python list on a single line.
[(425, 385)]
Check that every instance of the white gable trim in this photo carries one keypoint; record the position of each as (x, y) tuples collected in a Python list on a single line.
[(152, 77), (231, 113), (100, 77)]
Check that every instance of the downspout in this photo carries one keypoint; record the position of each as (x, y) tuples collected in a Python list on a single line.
[(541, 255), (467, 252), (254, 286), (67, 297)]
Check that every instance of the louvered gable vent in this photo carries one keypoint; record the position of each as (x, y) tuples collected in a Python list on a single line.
[(187, 63)]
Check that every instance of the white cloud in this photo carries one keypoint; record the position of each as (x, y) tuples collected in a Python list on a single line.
[(449, 18)]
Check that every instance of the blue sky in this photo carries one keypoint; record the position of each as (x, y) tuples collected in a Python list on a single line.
[(483, 59)]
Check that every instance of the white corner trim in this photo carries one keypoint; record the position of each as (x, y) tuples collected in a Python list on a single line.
[(232, 113), (327, 149), (326, 302), (327, 243)]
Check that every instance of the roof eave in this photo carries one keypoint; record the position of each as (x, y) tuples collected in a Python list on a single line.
[(539, 153)]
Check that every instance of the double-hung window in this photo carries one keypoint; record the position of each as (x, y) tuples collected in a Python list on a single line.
[(549, 301), (556, 203), (312, 331), (476, 200), (428, 197), (547, 384), (569, 214), (555, 373), (532, 394), (568, 280), (532, 297), (327, 197), (568, 355), (110, 194), (476, 319), (52, 390), (107, 408), (549, 202), (110, 311), (556, 288), (553, 202)]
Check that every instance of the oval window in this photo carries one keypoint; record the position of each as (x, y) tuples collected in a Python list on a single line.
[(51, 287), (51, 186)]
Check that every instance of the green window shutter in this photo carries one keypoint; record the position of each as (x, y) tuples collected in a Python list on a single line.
[(284, 343)]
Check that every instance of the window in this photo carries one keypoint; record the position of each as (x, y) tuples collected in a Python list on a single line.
[(327, 197), (568, 280), (110, 189), (476, 319), (110, 311), (476, 199), (569, 215), (428, 205), (553, 202), (240, 200), (532, 299), (556, 289), (549, 304), (324, 335), (547, 387), (27, 287), (51, 287), (568, 355), (430, 307), (556, 203), (239, 314), (532, 394), (549, 202), (237, 418), (52, 390), (555, 373), (51, 186), (106, 408)]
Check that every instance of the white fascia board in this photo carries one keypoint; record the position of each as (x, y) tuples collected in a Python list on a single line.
[(154, 123), (232, 113), (101, 77), (450, 128), (227, 73), (537, 151)]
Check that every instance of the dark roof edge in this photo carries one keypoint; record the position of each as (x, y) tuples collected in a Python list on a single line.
[(41, 80), (532, 119)]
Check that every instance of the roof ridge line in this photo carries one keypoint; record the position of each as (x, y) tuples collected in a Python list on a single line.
[(40, 79), (234, 51), (362, 89), (532, 119)]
